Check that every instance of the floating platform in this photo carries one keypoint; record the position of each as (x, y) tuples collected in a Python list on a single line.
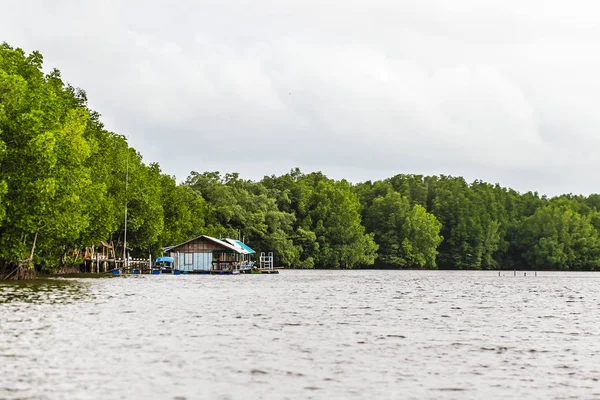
[(255, 271), (235, 272), (259, 271)]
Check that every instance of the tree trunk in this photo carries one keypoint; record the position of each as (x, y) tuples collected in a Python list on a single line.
[(30, 260), (20, 271)]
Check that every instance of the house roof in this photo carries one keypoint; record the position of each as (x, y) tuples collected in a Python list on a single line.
[(243, 247), (224, 243)]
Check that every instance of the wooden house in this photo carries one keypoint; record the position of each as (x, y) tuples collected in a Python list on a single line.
[(205, 253)]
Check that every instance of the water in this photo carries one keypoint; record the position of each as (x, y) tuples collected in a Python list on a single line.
[(303, 334)]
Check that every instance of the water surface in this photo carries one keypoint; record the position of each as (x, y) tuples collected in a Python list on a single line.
[(303, 334)]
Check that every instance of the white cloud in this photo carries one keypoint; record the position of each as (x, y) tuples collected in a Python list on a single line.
[(501, 90)]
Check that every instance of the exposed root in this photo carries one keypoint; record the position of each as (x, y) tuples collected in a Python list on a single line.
[(13, 272)]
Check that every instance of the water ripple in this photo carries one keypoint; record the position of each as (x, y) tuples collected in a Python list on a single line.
[(302, 334)]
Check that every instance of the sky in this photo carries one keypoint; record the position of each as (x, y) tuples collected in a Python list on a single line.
[(506, 91)]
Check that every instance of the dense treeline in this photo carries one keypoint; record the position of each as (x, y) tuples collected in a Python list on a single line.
[(62, 188)]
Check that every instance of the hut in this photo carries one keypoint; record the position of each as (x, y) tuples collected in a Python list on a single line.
[(101, 252), (207, 254)]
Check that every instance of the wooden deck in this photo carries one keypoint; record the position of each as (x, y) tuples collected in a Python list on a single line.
[(257, 271)]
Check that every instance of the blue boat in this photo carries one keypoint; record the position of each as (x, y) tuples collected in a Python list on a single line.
[(164, 265)]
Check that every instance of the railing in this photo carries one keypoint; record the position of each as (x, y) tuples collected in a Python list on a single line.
[(266, 261), (100, 264)]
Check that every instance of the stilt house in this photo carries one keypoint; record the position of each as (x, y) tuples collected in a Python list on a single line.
[(206, 253)]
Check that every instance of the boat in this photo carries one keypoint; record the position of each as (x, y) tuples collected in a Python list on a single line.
[(163, 265)]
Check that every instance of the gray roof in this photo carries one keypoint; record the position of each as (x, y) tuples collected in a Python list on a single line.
[(212, 239)]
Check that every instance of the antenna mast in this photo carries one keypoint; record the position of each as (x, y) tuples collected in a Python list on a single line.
[(126, 201)]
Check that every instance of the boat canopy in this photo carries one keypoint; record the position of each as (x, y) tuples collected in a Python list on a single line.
[(165, 259)]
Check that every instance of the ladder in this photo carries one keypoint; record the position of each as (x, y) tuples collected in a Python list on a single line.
[(266, 261)]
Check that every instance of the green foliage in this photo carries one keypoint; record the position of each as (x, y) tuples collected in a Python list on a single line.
[(407, 235), (43, 168), (65, 183), (327, 231), (244, 209), (62, 176), (557, 237), (334, 215)]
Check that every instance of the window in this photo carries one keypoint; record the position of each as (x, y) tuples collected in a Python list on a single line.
[(189, 259)]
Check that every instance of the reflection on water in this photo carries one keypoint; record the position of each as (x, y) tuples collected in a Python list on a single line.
[(45, 291), (303, 334)]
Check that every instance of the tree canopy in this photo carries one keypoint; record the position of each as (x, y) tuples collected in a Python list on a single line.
[(63, 188)]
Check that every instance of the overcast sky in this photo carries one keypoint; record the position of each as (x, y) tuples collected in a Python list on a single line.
[(505, 91)]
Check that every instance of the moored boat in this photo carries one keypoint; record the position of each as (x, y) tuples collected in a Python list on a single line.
[(164, 265)]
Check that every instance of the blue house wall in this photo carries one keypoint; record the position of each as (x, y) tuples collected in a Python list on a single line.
[(200, 262)]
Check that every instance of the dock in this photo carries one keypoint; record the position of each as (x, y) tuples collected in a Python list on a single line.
[(203, 255), (255, 271), (260, 271)]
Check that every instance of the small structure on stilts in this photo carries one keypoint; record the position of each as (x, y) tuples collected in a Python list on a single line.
[(104, 259), (201, 255), (208, 255)]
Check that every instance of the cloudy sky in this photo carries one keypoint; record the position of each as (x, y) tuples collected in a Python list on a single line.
[(505, 91)]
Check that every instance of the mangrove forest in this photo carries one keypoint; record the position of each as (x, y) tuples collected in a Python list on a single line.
[(63, 189)]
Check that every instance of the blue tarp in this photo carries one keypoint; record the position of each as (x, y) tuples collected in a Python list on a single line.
[(245, 247), (165, 259)]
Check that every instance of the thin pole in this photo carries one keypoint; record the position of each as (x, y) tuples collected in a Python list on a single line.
[(125, 236)]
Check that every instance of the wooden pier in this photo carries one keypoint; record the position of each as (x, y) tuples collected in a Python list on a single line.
[(141, 270), (103, 265), (256, 271)]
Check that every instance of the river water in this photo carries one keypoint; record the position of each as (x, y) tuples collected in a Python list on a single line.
[(303, 334)]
